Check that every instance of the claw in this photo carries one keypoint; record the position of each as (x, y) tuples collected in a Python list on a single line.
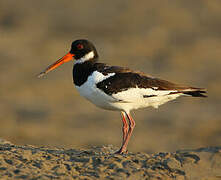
[(121, 151)]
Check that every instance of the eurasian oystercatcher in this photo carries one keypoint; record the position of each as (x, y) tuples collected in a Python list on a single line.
[(118, 88)]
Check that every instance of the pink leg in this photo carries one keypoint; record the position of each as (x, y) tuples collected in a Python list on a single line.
[(125, 126), (123, 148)]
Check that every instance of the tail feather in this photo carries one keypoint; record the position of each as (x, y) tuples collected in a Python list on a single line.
[(196, 93)]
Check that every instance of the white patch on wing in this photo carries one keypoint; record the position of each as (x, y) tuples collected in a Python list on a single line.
[(90, 91), (86, 57), (189, 89), (98, 77), (134, 94), (135, 97)]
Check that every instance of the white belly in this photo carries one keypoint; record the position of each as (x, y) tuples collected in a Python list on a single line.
[(137, 99)]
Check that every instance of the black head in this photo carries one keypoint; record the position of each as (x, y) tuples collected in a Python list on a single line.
[(83, 50)]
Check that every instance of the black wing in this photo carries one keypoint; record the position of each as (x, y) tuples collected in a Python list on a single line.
[(125, 79)]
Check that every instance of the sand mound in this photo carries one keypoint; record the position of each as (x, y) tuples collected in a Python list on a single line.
[(28, 162)]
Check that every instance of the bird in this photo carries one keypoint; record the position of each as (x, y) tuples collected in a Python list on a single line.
[(118, 88)]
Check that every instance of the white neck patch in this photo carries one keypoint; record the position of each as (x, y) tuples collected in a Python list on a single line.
[(86, 57)]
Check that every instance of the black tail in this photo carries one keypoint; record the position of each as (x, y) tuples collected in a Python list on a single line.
[(196, 93)]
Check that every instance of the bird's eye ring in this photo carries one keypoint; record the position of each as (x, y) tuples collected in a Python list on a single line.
[(80, 46)]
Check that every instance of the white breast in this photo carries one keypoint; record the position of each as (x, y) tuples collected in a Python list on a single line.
[(95, 95)]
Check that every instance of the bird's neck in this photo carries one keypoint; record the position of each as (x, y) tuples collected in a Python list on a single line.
[(81, 71)]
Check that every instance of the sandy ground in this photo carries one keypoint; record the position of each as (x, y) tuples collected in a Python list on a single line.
[(30, 162), (175, 40)]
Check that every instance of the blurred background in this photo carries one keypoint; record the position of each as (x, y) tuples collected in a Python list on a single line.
[(175, 40)]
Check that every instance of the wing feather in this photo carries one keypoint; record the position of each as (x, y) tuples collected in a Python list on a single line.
[(125, 79)]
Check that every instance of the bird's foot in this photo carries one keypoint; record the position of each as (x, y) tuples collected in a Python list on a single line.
[(122, 151)]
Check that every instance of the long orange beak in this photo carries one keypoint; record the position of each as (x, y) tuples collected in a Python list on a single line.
[(59, 62)]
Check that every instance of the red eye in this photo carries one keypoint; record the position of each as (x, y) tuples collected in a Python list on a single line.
[(80, 46)]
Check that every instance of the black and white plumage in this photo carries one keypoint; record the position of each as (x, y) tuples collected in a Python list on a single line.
[(118, 88)]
